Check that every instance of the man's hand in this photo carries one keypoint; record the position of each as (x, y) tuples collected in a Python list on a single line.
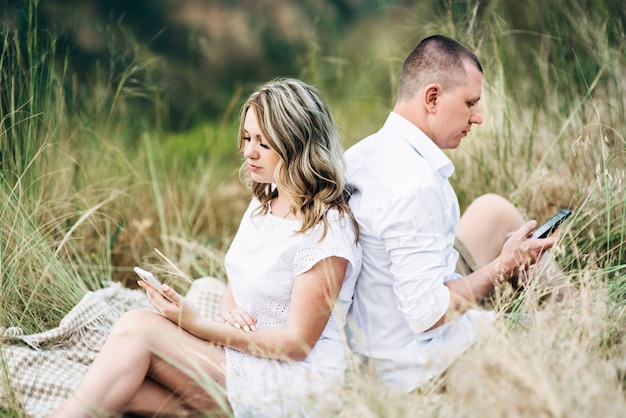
[(519, 252)]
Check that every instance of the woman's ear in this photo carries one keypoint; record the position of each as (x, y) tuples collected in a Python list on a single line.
[(431, 97)]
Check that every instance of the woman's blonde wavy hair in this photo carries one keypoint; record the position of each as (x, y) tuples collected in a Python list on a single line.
[(296, 123)]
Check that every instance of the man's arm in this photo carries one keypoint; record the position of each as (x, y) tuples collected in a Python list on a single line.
[(517, 254)]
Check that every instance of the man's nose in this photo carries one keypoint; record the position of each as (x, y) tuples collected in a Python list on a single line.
[(476, 116)]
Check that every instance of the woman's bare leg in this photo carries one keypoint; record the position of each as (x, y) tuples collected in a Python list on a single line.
[(146, 360), (153, 399)]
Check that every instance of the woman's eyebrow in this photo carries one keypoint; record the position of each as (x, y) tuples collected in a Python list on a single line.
[(259, 135)]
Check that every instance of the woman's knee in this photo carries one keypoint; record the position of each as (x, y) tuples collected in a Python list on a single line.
[(137, 323)]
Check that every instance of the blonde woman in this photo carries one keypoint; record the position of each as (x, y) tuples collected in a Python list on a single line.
[(292, 266)]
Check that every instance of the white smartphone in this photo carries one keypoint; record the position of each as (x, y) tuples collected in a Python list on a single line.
[(152, 281)]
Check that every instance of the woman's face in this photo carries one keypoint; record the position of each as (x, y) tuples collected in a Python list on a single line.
[(262, 160)]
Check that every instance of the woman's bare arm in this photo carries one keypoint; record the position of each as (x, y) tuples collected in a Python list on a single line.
[(313, 297)]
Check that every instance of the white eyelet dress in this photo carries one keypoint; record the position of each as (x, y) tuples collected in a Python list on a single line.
[(262, 262)]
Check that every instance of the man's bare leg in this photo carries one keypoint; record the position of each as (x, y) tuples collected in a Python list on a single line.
[(486, 225)]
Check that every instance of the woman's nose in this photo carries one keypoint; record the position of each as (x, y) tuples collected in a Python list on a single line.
[(249, 150)]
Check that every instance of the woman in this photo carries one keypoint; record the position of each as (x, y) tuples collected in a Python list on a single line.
[(292, 268)]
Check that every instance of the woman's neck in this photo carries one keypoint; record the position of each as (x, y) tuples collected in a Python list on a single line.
[(281, 207)]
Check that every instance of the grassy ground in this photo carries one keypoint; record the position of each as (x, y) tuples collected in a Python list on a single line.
[(89, 188)]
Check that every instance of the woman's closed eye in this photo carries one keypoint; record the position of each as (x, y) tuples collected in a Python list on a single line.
[(258, 139)]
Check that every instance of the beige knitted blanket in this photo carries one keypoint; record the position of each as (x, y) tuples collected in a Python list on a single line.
[(43, 369)]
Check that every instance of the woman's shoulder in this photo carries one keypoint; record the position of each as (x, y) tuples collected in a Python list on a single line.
[(340, 218), (338, 224), (335, 237)]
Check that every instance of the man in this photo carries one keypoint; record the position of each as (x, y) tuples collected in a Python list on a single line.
[(411, 315)]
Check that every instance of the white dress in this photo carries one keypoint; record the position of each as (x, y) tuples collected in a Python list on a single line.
[(262, 262)]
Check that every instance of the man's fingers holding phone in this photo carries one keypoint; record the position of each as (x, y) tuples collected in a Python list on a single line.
[(551, 225)]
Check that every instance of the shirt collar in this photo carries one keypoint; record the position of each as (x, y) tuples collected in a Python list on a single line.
[(422, 144)]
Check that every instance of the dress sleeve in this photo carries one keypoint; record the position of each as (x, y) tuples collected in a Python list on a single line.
[(338, 242)]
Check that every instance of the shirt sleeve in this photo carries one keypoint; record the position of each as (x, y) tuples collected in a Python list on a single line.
[(414, 236)]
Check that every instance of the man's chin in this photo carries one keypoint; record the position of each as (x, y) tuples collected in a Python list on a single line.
[(454, 143)]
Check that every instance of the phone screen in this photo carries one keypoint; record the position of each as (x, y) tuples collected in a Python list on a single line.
[(152, 281), (547, 228)]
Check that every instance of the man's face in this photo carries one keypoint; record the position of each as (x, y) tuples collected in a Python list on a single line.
[(457, 110)]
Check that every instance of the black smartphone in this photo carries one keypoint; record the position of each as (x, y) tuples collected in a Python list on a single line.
[(547, 228)]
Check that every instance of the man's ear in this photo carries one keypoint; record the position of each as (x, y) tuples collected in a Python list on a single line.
[(431, 97)]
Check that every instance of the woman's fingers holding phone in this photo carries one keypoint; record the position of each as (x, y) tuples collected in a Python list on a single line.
[(165, 294)]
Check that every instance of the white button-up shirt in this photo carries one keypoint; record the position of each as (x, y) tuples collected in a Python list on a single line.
[(407, 213)]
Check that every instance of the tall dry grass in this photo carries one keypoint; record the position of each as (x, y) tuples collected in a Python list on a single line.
[(553, 137)]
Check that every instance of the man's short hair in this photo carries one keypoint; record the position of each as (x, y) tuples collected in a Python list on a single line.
[(436, 59)]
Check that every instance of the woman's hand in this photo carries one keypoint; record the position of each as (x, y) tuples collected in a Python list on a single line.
[(177, 309), (238, 318)]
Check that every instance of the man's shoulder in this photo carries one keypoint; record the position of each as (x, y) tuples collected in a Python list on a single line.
[(367, 143), (383, 157), (379, 148)]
